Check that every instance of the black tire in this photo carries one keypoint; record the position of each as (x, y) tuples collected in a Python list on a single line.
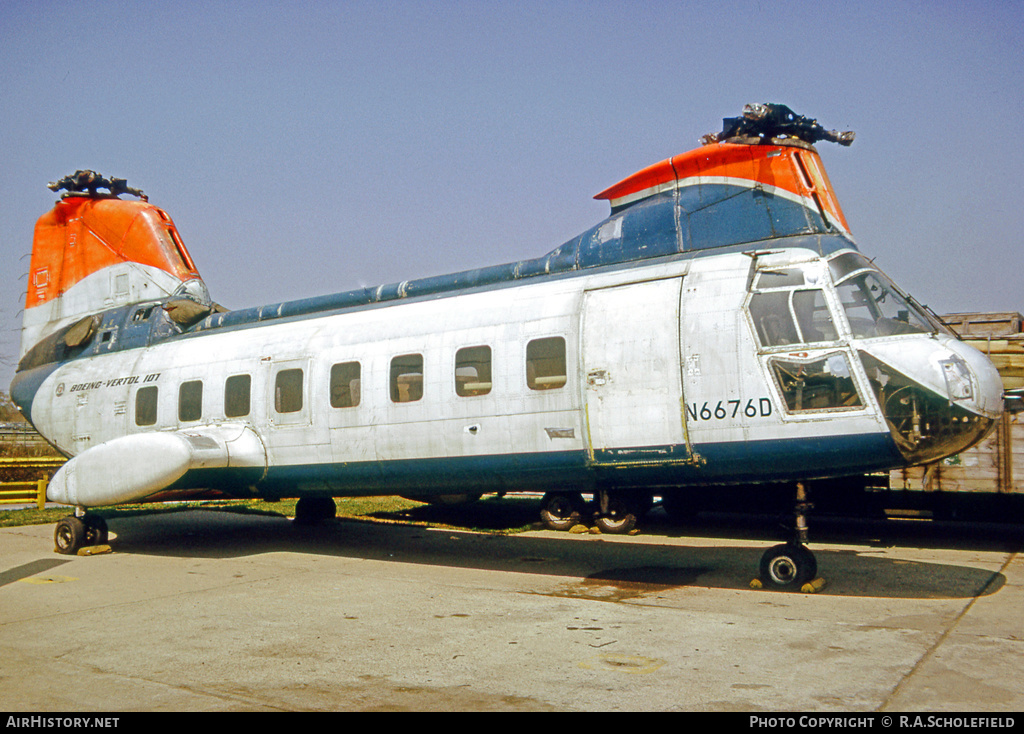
[(788, 566), (314, 510), (96, 532), (69, 535), (620, 518), (561, 510)]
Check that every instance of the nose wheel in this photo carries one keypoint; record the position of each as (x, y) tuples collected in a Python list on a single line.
[(74, 532), (791, 565), (788, 566)]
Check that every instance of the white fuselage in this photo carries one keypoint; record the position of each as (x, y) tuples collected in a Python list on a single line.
[(663, 382)]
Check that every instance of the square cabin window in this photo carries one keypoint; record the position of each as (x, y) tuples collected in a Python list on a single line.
[(473, 371), (237, 392), (145, 406), (345, 382), (545, 363), (190, 401), (406, 379), (288, 391)]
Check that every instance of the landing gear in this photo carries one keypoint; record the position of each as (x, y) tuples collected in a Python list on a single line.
[(617, 513), (788, 566), (562, 510), (791, 565), (314, 510), (75, 532), (612, 512)]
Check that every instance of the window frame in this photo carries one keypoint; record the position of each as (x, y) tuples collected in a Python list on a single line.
[(542, 380), (230, 398), (190, 397), (347, 385), (483, 384), (415, 388)]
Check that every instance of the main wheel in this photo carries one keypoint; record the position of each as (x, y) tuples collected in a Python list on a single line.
[(69, 535), (620, 517), (313, 510), (561, 510), (788, 566)]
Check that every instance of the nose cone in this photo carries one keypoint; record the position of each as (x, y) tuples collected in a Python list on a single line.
[(25, 386), (939, 396)]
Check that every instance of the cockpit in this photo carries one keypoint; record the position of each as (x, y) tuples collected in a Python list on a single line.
[(830, 330), (873, 305)]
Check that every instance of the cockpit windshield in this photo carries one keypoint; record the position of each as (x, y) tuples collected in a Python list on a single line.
[(873, 305)]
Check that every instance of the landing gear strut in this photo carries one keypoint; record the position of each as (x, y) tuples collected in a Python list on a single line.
[(75, 532), (791, 565)]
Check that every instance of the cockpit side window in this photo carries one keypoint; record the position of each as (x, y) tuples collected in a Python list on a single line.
[(813, 317), (874, 308), (772, 319), (873, 304), (792, 317)]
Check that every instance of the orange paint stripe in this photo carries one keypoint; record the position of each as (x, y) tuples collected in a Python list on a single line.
[(796, 170), (81, 236)]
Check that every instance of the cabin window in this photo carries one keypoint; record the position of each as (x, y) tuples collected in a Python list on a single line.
[(237, 392), (288, 391), (190, 401), (545, 363), (142, 314), (473, 371), (816, 384), (345, 381), (407, 378), (145, 406)]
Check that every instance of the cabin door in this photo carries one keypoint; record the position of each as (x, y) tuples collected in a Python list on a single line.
[(632, 387)]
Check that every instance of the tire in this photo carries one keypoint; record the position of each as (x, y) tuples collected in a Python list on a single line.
[(620, 519), (561, 510), (95, 530), (69, 535), (314, 510), (788, 566)]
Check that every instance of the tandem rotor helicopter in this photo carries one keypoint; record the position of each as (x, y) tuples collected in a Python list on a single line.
[(719, 327)]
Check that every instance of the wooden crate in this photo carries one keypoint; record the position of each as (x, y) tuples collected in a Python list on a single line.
[(996, 465), (1000, 323)]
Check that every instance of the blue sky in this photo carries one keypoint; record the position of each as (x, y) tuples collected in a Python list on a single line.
[(311, 147)]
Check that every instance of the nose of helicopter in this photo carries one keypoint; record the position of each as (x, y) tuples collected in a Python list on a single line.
[(939, 395)]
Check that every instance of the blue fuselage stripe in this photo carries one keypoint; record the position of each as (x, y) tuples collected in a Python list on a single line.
[(733, 463)]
